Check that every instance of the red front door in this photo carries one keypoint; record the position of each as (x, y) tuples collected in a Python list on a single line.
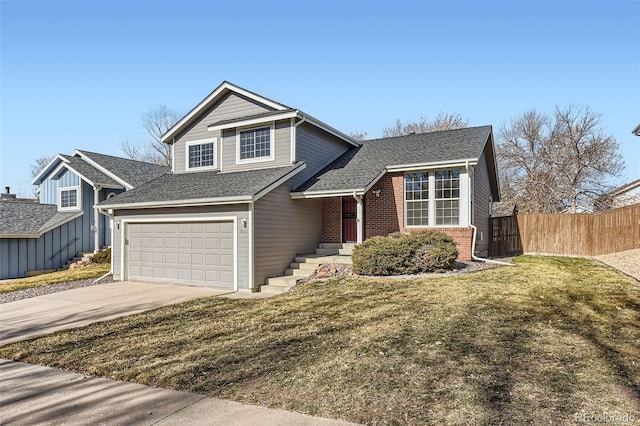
[(349, 220)]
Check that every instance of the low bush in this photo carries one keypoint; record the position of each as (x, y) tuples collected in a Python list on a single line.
[(399, 254), (103, 256)]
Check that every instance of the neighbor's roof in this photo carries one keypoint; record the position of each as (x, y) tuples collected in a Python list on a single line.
[(625, 188), (202, 188), (131, 171), (90, 172), (359, 168), (29, 220)]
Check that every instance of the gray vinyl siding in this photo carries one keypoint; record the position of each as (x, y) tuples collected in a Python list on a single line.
[(49, 187), (317, 148), (240, 211), (282, 146), (481, 200), (51, 251), (232, 106), (283, 228)]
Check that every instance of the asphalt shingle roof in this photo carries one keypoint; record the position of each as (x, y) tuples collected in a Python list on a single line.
[(202, 185), (133, 172), (90, 172), (358, 167), (19, 218)]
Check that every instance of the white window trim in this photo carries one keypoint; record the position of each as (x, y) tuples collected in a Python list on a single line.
[(463, 217), (78, 205), (272, 141), (201, 142)]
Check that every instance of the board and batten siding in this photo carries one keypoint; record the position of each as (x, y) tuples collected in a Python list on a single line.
[(185, 214), (51, 250), (481, 205), (49, 187), (283, 228), (317, 148), (231, 106)]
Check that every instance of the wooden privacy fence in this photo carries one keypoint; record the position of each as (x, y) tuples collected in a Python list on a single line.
[(580, 234)]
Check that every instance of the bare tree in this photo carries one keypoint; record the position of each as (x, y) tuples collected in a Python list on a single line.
[(358, 135), (155, 123), (441, 121), (39, 163), (556, 164)]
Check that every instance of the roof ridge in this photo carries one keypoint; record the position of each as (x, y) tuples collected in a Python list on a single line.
[(427, 133), (119, 158)]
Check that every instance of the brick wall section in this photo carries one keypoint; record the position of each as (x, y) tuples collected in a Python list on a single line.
[(331, 220), (385, 214)]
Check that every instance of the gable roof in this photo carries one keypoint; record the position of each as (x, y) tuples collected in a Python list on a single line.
[(30, 220), (220, 91), (103, 170), (359, 168), (625, 188), (129, 172), (276, 109), (199, 188)]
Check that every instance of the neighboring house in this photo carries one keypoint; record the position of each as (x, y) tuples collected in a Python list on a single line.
[(44, 236), (625, 195), (636, 131), (256, 182)]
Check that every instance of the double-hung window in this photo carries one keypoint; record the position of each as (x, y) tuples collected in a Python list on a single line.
[(416, 187), (201, 155), (255, 144), (432, 198), (447, 197), (69, 198)]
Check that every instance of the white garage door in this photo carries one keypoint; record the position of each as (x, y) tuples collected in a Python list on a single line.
[(190, 253)]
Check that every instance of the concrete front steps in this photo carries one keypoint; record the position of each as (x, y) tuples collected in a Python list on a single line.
[(304, 265), (81, 257)]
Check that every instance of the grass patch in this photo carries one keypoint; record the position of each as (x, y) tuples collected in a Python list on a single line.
[(89, 271), (535, 343)]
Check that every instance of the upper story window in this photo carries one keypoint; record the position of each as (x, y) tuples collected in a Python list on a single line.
[(432, 198), (255, 144), (201, 154), (69, 198)]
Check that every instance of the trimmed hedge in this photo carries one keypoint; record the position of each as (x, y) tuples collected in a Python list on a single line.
[(400, 254), (103, 256)]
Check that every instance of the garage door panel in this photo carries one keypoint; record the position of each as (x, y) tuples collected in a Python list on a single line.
[(197, 252)]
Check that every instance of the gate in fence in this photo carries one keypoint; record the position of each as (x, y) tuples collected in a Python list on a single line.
[(505, 236)]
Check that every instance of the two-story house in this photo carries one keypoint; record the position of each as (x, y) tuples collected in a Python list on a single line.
[(255, 182), (37, 237)]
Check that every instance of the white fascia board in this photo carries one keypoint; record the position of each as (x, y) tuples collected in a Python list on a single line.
[(432, 165), (2, 236), (327, 194), (69, 167), (374, 181), (252, 121), (181, 203), (107, 172), (279, 182), (337, 133), (55, 225), (206, 102), (37, 178)]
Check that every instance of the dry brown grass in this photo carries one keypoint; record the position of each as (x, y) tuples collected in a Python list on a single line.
[(89, 271), (532, 344)]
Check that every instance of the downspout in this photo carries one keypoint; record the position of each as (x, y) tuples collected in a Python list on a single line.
[(293, 136), (475, 230), (111, 268)]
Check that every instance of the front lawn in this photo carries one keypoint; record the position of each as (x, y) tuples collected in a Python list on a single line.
[(532, 344), (93, 270)]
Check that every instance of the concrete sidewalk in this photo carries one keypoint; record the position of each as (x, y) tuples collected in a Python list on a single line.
[(31, 394), (45, 314)]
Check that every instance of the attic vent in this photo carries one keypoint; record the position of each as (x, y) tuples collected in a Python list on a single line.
[(412, 133)]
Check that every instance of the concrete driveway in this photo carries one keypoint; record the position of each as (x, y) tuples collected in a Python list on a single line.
[(41, 315)]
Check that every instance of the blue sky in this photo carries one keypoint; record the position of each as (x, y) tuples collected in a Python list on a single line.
[(81, 74)]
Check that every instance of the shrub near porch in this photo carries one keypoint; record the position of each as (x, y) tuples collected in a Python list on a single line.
[(399, 254)]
